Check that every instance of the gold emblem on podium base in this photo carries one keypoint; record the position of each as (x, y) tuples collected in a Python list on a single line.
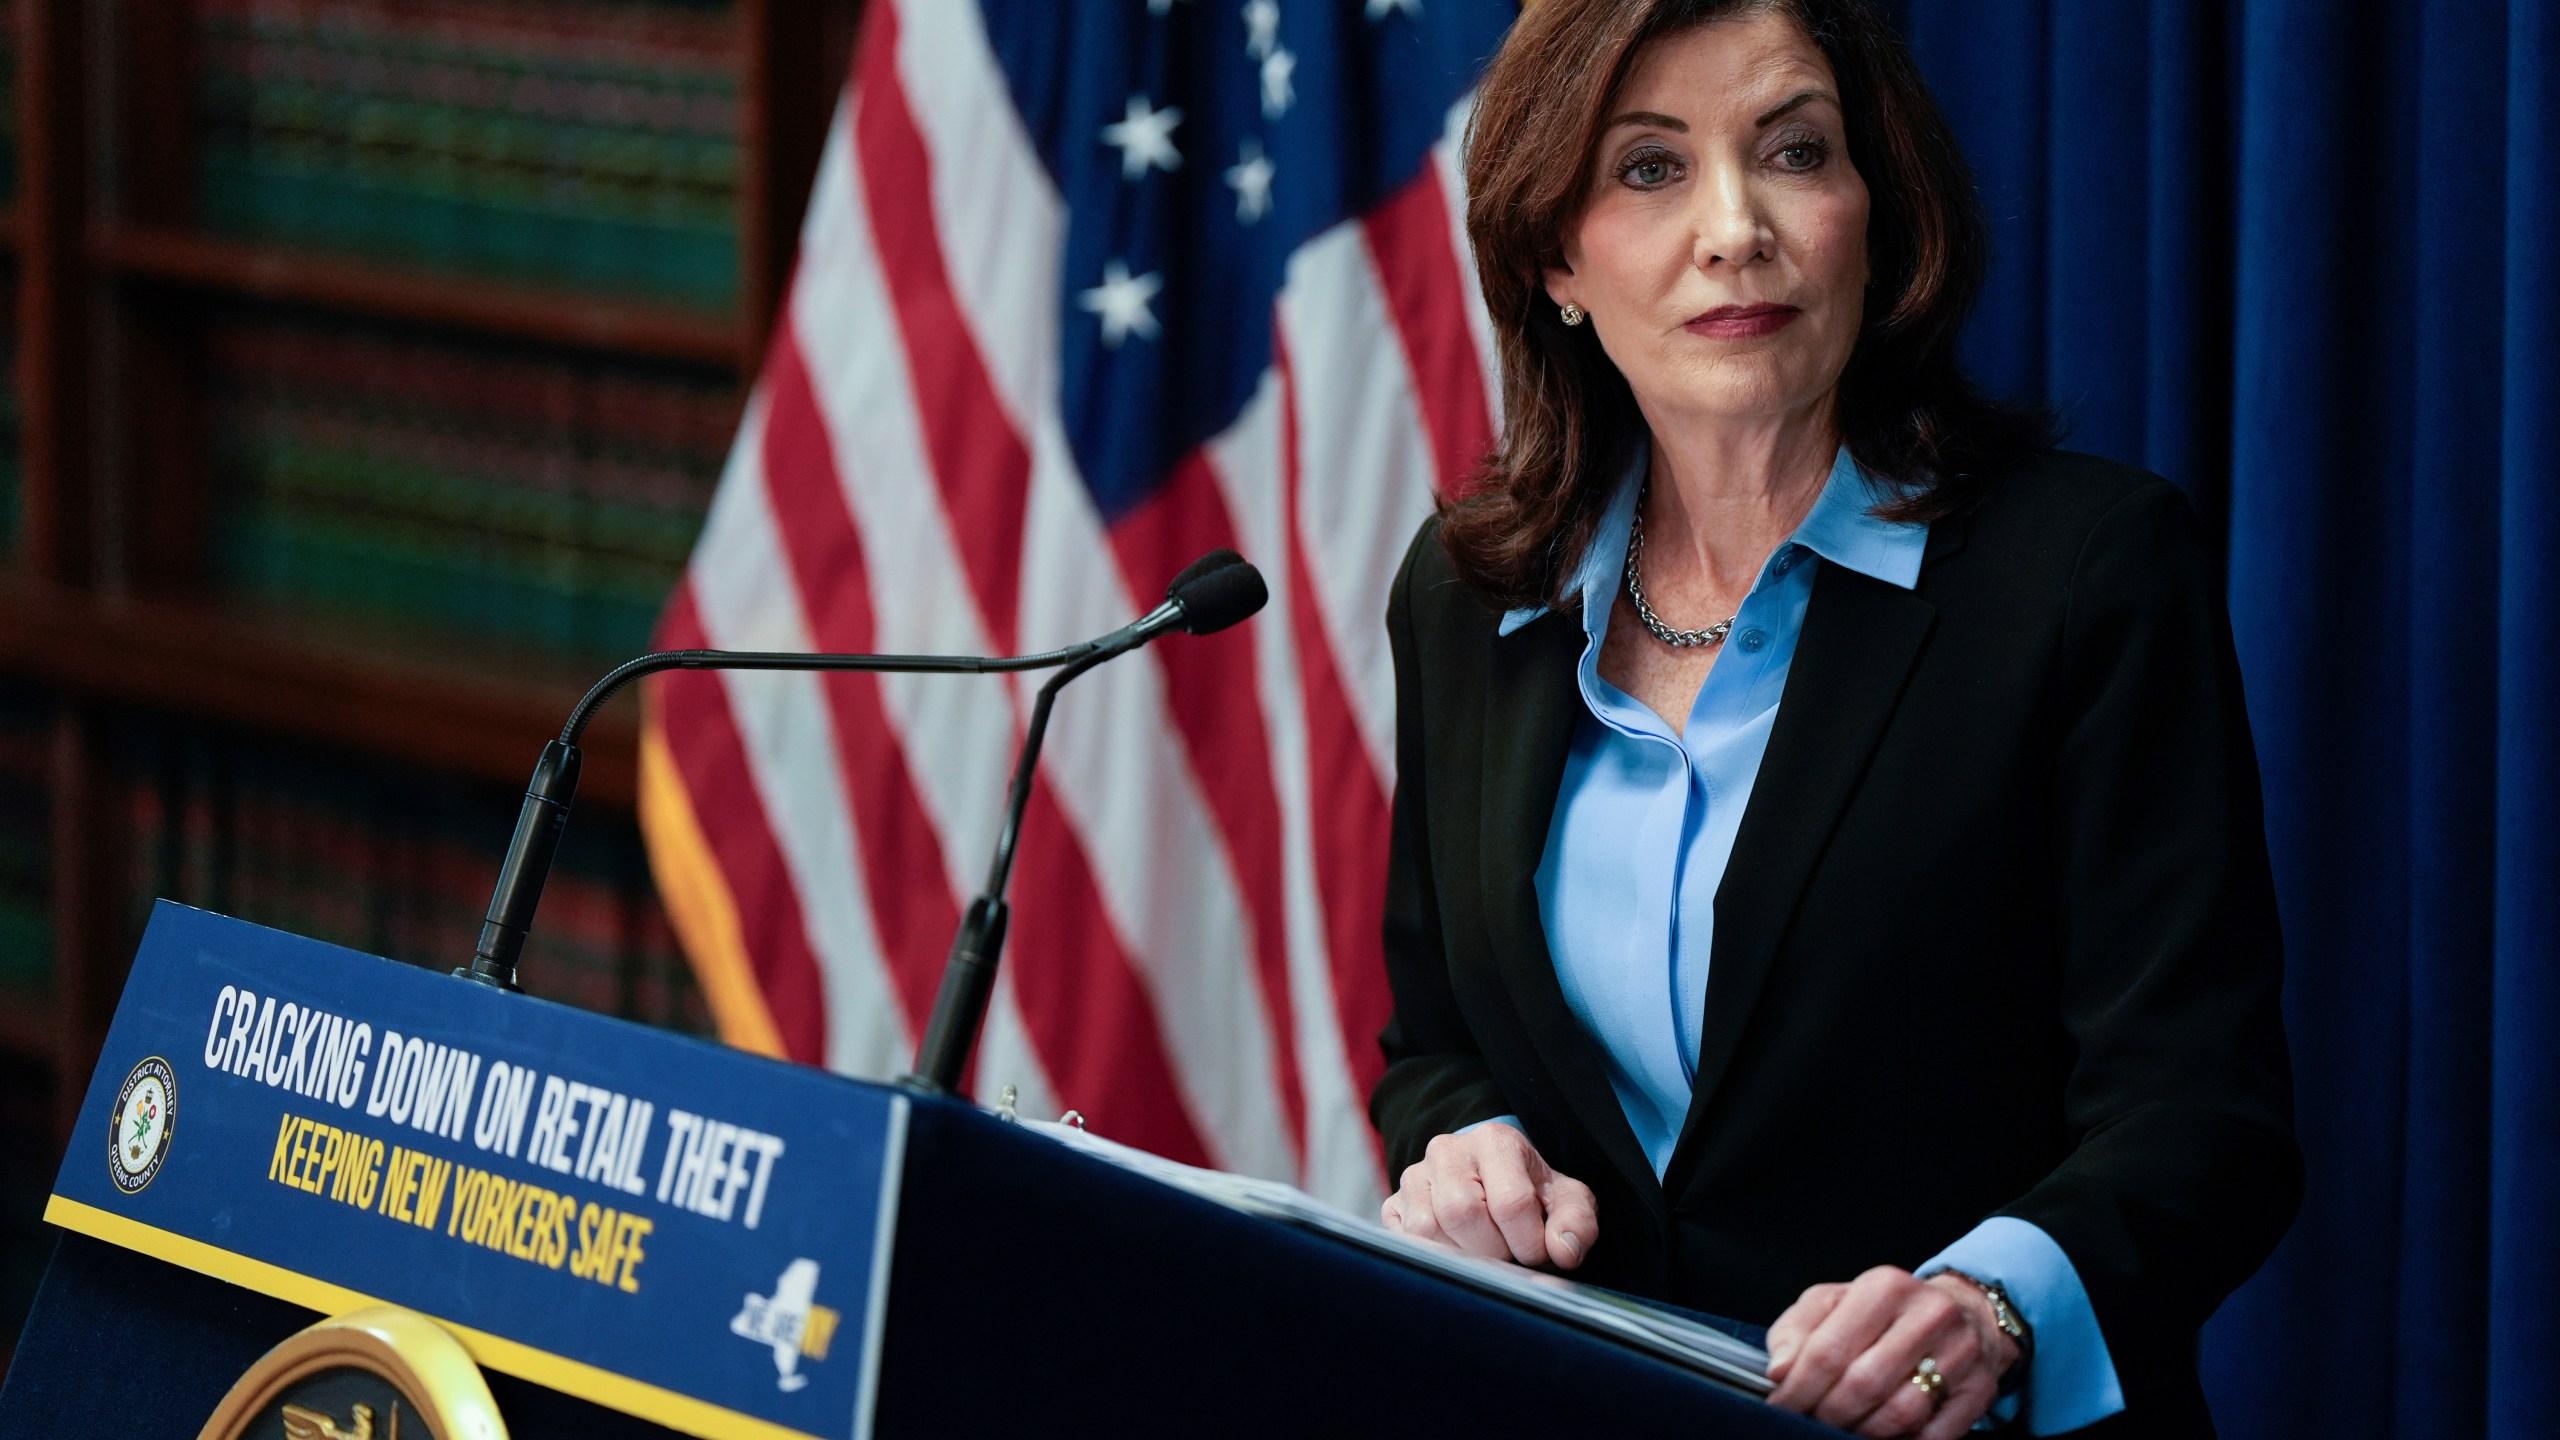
[(381, 1373), (304, 1423)]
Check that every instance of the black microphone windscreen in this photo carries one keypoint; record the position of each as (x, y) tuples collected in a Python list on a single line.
[(1218, 598), (1214, 560)]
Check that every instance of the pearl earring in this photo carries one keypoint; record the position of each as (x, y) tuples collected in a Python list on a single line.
[(1571, 314)]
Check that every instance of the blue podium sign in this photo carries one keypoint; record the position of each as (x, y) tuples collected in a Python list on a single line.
[(674, 1229)]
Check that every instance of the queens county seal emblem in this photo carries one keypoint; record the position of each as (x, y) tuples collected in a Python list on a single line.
[(145, 1110)]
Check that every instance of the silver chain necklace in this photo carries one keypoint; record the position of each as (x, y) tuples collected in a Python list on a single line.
[(1678, 639)]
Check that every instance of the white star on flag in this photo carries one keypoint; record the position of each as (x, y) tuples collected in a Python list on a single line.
[(1165, 7), (1381, 9), (1261, 28), (1145, 137), (1121, 300), (1250, 178), (1277, 93)]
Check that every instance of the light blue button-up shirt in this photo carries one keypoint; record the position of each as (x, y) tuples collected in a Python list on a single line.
[(1644, 825)]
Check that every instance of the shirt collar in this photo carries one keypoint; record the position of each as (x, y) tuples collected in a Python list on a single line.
[(1842, 528)]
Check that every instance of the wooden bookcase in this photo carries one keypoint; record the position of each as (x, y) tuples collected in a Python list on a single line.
[(98, 612)]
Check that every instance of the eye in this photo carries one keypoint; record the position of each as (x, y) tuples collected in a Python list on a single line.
[(1649, 169), (1806, 153)]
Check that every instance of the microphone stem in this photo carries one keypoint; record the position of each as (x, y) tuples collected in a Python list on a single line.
[(544, 815), (969, 976), (1000, 869)]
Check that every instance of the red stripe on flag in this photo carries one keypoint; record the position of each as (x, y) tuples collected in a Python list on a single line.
[(1418, 266), (1211, 685), (983, 466), (1346, 801), (711, 758), (909, 886)]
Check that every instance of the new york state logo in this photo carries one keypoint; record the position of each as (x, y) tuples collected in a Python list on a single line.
[(790, 1321)]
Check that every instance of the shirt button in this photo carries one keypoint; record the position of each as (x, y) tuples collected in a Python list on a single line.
[(1753, 641), (1787, 559)]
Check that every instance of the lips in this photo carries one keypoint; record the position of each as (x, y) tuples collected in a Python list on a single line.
[(1742, 322)]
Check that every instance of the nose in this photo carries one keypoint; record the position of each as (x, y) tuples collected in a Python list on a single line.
[(1726, 224)]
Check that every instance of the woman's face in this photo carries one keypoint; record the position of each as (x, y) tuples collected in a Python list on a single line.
[(1722, 246)]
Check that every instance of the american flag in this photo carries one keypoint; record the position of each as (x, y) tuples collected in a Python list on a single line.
[(1088, 287)]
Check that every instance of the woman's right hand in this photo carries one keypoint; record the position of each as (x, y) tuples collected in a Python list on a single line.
[(1488, 1192)]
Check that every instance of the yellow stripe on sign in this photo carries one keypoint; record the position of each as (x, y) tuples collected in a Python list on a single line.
[(569, 1377), (699, 905)]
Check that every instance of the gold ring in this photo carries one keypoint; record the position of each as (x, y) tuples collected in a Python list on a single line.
[(1932, 1382)]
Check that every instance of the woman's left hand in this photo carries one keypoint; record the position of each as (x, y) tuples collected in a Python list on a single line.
[(1844, 1354)]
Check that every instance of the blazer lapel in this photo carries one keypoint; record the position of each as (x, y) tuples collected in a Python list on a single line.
[(1860, 638), (1531, 706)]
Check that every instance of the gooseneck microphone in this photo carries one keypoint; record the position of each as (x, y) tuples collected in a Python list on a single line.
[(1215, 591)]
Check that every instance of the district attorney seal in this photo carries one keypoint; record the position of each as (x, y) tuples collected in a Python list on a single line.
[(146, 1109)]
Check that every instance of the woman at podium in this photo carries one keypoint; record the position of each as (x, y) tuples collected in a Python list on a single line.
[(1828, 884)]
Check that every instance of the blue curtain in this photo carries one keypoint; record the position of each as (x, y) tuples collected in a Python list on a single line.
[(2299, 256)]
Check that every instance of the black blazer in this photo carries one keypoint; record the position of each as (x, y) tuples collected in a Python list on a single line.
[(1997, 937)]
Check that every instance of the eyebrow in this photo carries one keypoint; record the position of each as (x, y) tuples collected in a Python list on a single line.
[(1661, 121), (1790, 103)]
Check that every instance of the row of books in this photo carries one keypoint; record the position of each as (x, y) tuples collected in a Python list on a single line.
[(589, 141), (541, 498), (387, 860), (356, 852), (8, 101), (12, 499)]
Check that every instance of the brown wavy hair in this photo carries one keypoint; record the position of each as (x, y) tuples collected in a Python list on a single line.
[(1905, 409)]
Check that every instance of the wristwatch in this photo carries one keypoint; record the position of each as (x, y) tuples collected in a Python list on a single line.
[(2005, 1315)]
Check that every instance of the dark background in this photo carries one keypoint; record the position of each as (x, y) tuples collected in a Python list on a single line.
[(2298, 256)]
